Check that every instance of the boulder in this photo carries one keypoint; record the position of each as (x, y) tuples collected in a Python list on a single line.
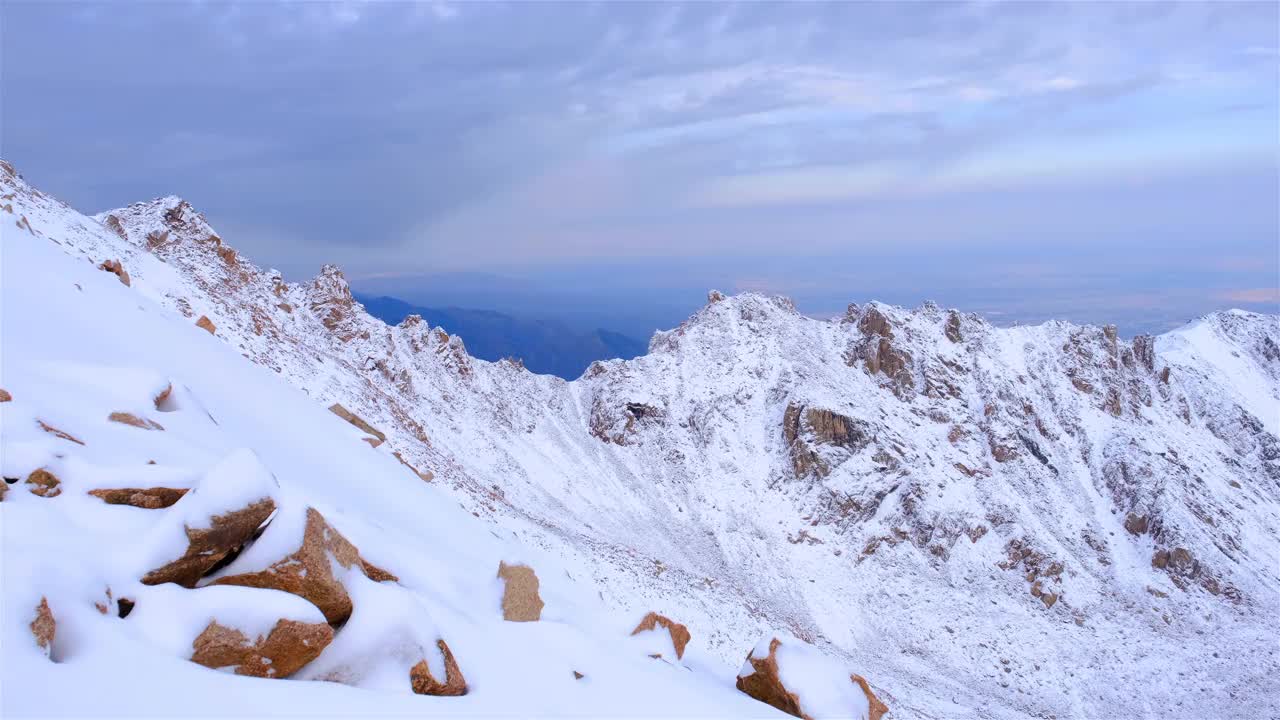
[(289, 646), (44, 627), (44, 483), (357, 421), (204, 323), (5, 396), (520, 599), (389, 643), (146, 498), (114, 267), (424, 683), (315, 551), (816, 686), (679, 634), (232, 502), (125, 418), (262, 633)]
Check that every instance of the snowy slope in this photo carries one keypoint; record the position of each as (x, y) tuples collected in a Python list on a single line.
[(79, 346), (988, 522)]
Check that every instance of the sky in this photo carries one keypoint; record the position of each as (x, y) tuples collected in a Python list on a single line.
[(609, 163)]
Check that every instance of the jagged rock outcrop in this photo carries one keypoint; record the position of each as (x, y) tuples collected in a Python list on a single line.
[(679, 634), (424, 682), (125, 418), (808, 691), (44, 484), (807, 429), (308, 571), (204, 323)]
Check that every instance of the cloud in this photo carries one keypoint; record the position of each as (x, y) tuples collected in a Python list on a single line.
[(420, 137)]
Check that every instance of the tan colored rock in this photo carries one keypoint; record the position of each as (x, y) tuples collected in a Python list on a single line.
[(520, 599), (679, 633), (577, 675), (765, 684), (877, 708), (953, 327), (114, 267), (58, 433), (5, 396), (44, 628), (146, 498), (4, 490), (208, 546), (125, 418), (160, 399), (356, 420), (1048, 599), (426, 476), (373, 441), (308, 571), (44, 483), (205, 323), (424, 683), (1135, 524), (289, 646)]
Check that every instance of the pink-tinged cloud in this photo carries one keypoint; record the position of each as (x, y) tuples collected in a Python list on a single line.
[(1252, 295)]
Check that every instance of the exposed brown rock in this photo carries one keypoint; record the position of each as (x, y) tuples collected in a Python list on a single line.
[(206, 324), (424, 683), (160, 399), (146, 498), (877, 709), (357, 421), (5, 396), (520, 599), (58, 433), (4, 490), (679, 633), (1082, 385), (953, 327), (827, 428), (208, 546), (1135, 524), (227, 254), (131, 419), (44, 483), (289, 646), (114, 267), (1164, 375), (765, 684), (1144, 350), (373, 441), (1048, 599), (426, 476), (44, 627), (308, 571)]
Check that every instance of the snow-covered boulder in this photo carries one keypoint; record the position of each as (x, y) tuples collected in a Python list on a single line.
[(233, 500), (44, 628), (248, 631), (301, 553), (152, 498), (662, 636), (797, 678), (389, 643)]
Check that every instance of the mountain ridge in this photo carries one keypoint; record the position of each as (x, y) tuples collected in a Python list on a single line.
[(543, 346), (917, 490)]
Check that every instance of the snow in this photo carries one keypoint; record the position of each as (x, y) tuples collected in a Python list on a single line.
[(78, 345), (697, 511), (822, 685)]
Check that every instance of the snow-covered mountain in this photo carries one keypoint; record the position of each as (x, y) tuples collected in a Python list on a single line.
[(990, 522)]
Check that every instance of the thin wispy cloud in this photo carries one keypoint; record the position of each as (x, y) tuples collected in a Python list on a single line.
[(442, 137)]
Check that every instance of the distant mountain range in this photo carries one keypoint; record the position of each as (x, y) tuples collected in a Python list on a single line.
[(545, 346)]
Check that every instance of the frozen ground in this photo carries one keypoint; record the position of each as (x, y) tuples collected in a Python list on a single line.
[(973, 517)]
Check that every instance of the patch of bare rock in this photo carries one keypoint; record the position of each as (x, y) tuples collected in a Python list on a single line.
[(520, 599)]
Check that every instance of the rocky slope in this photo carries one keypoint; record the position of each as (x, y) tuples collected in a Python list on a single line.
[(993, 522)]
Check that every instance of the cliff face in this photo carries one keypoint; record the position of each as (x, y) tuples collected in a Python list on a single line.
[(1030, 520)]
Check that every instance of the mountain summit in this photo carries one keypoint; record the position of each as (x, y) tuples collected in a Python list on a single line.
[(986, 521)]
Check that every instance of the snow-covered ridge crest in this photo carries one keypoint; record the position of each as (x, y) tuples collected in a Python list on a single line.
[(937, 499)]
